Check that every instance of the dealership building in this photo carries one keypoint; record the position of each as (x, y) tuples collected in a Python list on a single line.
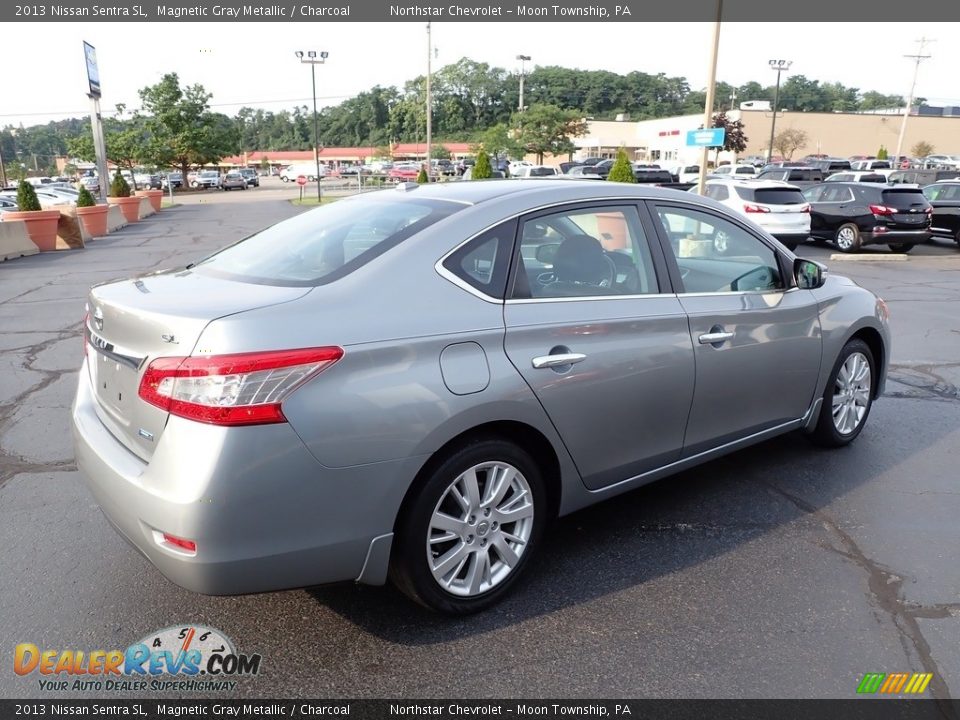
[(663, 140)]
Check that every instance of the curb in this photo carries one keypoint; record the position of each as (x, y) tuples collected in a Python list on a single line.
[(891, 257)]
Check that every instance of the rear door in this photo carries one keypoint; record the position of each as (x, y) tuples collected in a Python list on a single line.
[(756, 338), (593, 327)]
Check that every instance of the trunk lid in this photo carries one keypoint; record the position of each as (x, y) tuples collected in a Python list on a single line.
[(133, 322)]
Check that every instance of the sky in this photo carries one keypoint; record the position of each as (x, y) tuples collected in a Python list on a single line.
[(253, 63)]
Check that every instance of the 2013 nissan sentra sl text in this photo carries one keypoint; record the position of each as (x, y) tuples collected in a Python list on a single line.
[(410, 384)]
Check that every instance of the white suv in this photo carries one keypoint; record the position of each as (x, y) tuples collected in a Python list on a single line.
[(777, 207)]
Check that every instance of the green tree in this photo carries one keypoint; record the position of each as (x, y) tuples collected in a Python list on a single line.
[(622, 170), (182, 130), (119, 186), (548, 129), (882, 153), (422, 178), (482, 169), (500, 140), (27, 200), (265, 163), (126, 141), (85, 198)]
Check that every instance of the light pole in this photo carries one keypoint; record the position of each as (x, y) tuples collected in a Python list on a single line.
[(780, 66), (313, 58), (906, 113), (523, 73), (429, 101), (711, 91)]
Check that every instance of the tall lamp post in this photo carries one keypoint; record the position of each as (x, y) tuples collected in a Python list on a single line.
[(429, 117), (780, 66), (313, 58), (523, 74)]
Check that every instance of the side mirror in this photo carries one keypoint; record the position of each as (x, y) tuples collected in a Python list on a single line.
[(809, 274)]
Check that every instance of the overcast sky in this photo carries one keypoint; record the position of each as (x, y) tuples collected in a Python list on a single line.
[(253, 63)]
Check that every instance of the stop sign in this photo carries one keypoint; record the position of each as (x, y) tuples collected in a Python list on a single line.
[(301, 179)]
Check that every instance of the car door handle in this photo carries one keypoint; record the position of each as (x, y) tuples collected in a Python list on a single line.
[(712, 338), (550, 361)]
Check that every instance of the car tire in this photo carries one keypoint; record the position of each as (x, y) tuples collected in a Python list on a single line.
[(845, 407), (194, 184), (475, 575), (901, 248), (847, 238)]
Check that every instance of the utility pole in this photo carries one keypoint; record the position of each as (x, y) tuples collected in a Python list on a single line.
[(3, 170), (429, 101), (711, 91), (918, 58)]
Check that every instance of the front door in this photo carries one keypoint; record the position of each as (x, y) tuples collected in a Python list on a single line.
[(756, 340)]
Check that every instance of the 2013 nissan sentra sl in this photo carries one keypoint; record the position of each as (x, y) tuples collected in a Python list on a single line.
[(410, 384)]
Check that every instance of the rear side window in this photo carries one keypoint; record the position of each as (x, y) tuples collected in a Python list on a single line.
[(483, 262), (328, 243), (717, 192)]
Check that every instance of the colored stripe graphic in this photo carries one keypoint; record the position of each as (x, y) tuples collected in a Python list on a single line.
[(894, 683), (871, 682)]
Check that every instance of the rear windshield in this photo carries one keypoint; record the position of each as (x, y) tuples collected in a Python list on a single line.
[(903, 197), (541, 171), (325, 244), (772, 196)]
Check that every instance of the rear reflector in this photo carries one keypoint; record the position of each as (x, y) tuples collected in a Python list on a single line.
[(238, 389), (188, 545)]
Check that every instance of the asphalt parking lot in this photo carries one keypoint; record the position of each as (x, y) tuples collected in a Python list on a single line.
[(780, 571)]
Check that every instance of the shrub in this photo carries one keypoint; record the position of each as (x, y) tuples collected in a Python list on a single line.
[(85, 198), (422, 178), (27, 199), (882, 153), (119, 186), (482, 169), (622, 170)]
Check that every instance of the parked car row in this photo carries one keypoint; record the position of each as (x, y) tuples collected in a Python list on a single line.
[(849, 213)]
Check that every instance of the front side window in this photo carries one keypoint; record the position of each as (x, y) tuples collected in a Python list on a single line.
[(715, 255), (584, 253), (325, 244)]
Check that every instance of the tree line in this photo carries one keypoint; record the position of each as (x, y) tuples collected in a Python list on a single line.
[(472, 101)]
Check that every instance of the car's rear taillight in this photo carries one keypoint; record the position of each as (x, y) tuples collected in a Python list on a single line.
[(238, 389), (805, 209), (882, 210), (929, 211), (750, 208)]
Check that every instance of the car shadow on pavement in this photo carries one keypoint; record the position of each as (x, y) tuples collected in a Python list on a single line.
[(666, 527)]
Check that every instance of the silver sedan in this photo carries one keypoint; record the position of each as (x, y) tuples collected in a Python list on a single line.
[(410, 384)]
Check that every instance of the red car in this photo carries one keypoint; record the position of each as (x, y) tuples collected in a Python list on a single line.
[(404, 172)]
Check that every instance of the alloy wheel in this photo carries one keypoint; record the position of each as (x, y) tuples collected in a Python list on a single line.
[(845, 238), (480, 528), (851, 393)]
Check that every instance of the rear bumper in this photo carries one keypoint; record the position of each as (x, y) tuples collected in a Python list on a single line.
[(908, 237), (264, 514)]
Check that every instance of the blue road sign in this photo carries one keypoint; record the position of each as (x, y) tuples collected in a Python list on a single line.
[(711, 137)]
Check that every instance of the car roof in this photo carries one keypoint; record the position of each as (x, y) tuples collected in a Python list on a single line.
[(755, 183), (473, 192)]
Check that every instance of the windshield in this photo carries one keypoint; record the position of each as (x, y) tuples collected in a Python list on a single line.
[(327, 243)]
